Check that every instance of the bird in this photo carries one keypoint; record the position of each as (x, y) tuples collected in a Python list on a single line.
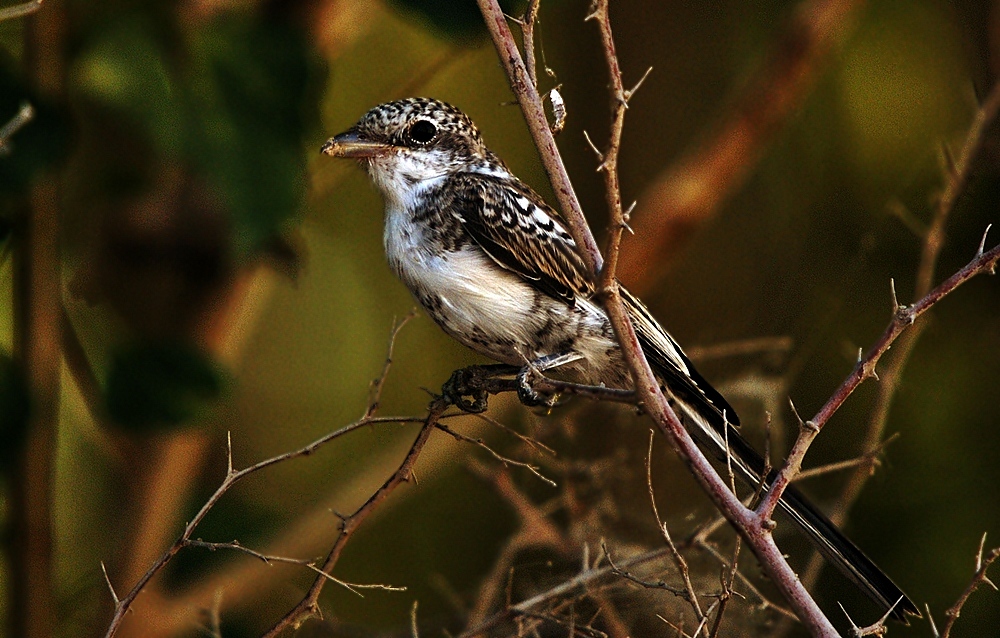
[(496, 268)]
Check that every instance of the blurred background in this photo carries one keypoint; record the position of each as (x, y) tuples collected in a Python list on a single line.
[(179, 263)]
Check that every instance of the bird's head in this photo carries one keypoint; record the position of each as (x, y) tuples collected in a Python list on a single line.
[(408, 143)]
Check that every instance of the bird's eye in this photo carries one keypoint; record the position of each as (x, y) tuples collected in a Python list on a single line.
[(422, 132)]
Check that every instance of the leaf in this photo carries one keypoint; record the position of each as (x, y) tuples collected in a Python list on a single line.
[(250, 82), (156, 385)]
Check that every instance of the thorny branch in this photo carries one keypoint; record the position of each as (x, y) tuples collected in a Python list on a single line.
[(903, 318), (983, 563), (933, 241), (746, 522), (679, 562), (754, 526), (233, 477)]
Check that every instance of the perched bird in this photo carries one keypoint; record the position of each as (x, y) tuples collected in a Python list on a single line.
[(494, 266)]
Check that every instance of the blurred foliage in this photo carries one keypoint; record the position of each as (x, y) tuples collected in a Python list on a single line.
[(41, 143), (231, 105), (154, 385), (188, 135), (459, 21)]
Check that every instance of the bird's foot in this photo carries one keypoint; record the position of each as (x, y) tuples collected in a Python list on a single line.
[(468, 388), (526, 391)]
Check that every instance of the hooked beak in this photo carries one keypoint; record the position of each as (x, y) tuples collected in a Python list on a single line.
[(351, 144)]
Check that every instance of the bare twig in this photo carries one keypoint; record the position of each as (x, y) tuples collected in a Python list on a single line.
[(310, 564), (534, 115), (957, 178), (24, 115), (577, 583), (679, 562), (609, 163), (646, 584), (983, 262), (506, 461), (375, 392), (983, 563), (866, 463), (308, 607), (20, 10), (233, 477)]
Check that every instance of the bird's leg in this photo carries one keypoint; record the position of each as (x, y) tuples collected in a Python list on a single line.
[(467, 387), (525, 392)]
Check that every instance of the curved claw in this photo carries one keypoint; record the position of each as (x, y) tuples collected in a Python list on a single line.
[(527, 394)]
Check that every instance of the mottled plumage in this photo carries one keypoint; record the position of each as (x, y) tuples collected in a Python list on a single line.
[(495, 267)]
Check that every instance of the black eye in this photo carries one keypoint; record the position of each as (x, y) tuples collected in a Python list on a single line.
[(422, 131)]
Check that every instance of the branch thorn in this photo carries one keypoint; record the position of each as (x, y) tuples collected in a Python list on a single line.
[(630, 92), (593, 147), (895, 301), (229, 452), (982, 242), (111, 588)]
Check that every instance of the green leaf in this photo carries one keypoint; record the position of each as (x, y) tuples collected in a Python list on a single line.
[(124, 66), (157, 385), (251, 80)]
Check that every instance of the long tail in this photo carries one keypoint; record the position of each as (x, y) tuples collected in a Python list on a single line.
[(824, 535), (708, 416)]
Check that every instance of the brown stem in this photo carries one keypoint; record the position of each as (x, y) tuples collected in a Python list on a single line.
[(696, 186), (38, 321), (983, 563), (903, 318), (123, 604), (757, 535)]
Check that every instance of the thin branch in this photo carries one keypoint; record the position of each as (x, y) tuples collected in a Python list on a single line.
[(866, 463), (579, 582), (375, 392), (645, 584), (983, 262), (609, 164), (679, 562), (231, 479), (24, 115), (506, 461), (310, 564), (20, 10), (308, 607), (534, 115), (958, 177), (983, 563)]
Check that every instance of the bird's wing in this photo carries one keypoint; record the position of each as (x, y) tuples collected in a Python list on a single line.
[(521, 233)]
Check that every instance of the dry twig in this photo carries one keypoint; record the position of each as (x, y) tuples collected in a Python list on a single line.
[(983, 562)]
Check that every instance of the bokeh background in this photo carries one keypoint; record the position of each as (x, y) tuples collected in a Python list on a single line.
[(218, 275)]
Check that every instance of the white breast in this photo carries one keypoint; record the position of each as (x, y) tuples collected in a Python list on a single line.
[(492, 310)]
